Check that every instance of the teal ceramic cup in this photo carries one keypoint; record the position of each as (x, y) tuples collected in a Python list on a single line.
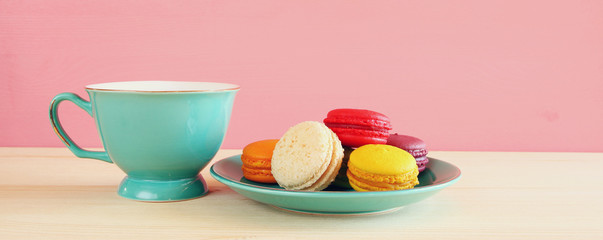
[(160, 133)]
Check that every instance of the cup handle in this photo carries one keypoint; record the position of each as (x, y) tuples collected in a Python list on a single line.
[(58, 129)]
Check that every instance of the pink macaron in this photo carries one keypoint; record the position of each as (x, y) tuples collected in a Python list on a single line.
[(415, 146)]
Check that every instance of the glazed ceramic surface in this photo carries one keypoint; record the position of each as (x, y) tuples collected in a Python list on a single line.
[(438, 175), (161, 134)]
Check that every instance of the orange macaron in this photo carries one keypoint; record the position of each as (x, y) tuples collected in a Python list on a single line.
[(256, 160)]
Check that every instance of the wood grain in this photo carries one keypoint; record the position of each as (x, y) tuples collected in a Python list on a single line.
[(47, 193)]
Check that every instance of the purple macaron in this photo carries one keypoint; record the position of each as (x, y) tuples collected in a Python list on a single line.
[(416, 147)]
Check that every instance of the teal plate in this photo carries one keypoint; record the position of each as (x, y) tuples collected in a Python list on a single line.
[(333, 201)]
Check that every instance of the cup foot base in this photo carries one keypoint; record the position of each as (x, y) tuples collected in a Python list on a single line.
[(162, 191)]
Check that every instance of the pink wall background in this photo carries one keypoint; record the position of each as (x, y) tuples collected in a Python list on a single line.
[(462, 75)]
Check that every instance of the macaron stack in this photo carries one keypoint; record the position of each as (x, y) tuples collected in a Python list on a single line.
[(358, 127), (351, 149)]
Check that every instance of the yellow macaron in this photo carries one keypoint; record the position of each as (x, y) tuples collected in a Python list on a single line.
[(379, 167)]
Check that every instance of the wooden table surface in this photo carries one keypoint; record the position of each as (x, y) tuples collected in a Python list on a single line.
[(47, 193)]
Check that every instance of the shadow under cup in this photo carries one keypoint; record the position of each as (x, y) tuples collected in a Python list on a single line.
[(161, 134)]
